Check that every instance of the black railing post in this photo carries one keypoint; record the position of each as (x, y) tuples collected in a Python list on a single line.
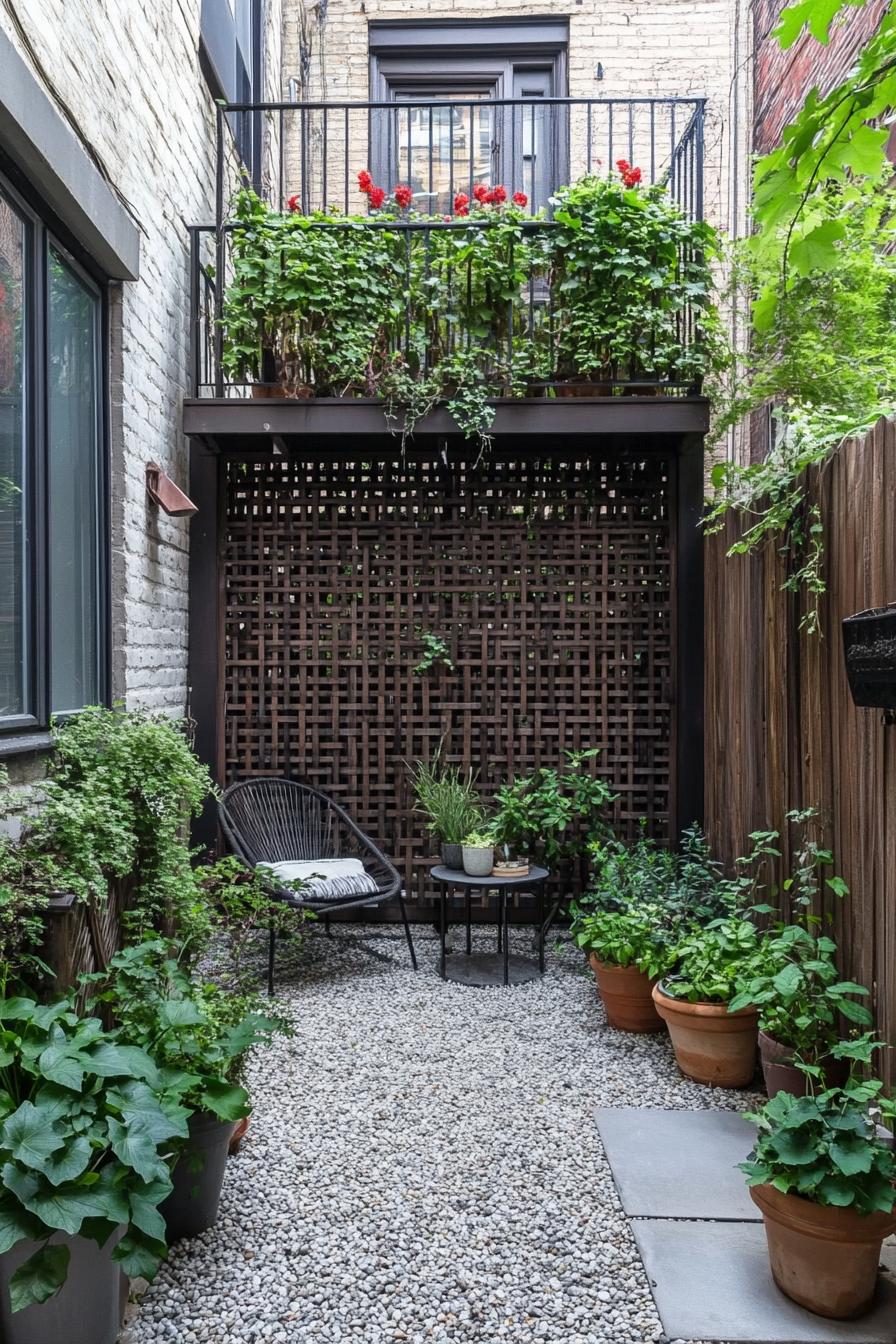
[(220, 255), (195, 339)]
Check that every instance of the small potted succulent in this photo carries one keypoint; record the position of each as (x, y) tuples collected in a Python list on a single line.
[(199, 1034), (448, 799), (822, 1174), (478, 853)]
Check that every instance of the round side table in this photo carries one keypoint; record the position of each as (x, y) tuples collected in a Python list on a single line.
[(490, 968)]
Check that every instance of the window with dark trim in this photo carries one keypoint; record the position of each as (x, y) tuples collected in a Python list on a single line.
[(438, 149), (53, 476), (231, 50)]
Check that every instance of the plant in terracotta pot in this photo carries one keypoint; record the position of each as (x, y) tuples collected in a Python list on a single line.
[(793, 981), (447, 797), (627, 959), (822, 1174), (478, 853), (199, 1035), (86, 1127)]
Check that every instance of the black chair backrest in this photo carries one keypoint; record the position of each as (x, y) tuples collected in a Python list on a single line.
[(278, 821)]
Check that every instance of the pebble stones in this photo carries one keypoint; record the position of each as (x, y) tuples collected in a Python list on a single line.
[(423, 1164)]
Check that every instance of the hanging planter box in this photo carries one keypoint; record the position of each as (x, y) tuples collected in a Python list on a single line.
[(869, 648)]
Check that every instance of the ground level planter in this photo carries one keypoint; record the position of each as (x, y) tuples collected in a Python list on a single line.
[(782, 1075), (825, 1259), (711, 1045), (192, 1206), (627, 996), (86, 1310)]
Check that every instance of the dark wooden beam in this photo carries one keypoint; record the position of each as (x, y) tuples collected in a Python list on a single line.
[(687, 800), (205, 625)]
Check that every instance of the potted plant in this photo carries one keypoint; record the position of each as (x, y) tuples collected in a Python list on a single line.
[(552, 816), (627, 960), (199, 1034), (793, 981), (478, 852), (86, 1130), (822, 1174), (448, 799)]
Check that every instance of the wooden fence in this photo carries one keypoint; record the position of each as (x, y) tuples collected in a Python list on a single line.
[(781, 729)]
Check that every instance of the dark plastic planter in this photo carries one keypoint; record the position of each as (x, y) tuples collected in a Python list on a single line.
[(869, 648), (192, 1206), (453, 856), (87, 1308)]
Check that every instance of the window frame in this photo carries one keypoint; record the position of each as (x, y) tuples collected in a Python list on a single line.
[(42, 233), (224, 61)]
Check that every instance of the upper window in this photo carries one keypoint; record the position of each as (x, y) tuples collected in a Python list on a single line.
[(469, 107), (232, 51), (52, 476)]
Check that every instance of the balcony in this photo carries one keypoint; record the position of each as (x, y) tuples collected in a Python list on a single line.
[(315, 308)]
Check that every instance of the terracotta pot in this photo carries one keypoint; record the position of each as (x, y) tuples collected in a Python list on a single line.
[(627, 997), (265, 391), (823, 1258), (711, 1045), (240, 1130), (782, 1075), (583, 388)]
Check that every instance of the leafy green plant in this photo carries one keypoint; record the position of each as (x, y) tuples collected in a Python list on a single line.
[(479, 839), (435, 652), (241, 904), (628, 264), (448, 798), (87, 1126), (625, 937), (827, 1148), (709, 961), (198, 1033), (551, 814)]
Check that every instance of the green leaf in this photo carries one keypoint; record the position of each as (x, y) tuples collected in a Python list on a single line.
[(817, 250), (16, 1224), (69, 1163), (134, 1145), (62, 1208), (145, 1211), (788, 982), (226, 1100), (28, 1137), (139, 1255), (180, 1013), (837, 1191), (109, 1060), (795, 1149), (855, 1012), (852, 1157), (137, 1101), (42, 1275)]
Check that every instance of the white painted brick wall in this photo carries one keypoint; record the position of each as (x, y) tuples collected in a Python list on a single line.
[(128, 72)]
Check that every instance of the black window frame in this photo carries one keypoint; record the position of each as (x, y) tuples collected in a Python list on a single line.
[(42, 234), (235, 75)]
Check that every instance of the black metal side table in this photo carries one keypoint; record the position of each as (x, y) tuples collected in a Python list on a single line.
[(490, 968)]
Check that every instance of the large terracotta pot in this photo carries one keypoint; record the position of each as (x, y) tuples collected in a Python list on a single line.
[(711, 1045), (826, 1259), (627, 997), (782, 1075)]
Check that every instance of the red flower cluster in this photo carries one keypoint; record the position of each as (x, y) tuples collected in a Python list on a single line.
[(630, 176), (461, 203), (375, 195), (293, 204), (403, 197), (365, 181), (521, 199)]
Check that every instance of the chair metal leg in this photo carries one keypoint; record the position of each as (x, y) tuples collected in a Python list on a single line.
[(541, 927), (272, 945), (327, 930), (407, 930), (443, 927)]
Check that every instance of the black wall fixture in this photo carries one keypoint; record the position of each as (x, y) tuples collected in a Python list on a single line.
[(869, 648)]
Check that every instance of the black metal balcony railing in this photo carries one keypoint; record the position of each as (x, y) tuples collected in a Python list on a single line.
[(439, 148)]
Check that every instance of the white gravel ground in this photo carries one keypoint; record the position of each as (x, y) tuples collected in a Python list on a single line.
[(423, 1165)]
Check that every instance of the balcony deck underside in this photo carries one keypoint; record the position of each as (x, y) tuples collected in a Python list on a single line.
[(249, 425)]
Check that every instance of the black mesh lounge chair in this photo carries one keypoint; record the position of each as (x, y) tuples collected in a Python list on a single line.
[(276, 821)]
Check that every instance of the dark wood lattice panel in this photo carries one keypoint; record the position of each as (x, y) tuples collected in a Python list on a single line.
[(549, 580)]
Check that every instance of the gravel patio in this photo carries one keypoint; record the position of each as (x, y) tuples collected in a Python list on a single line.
[(423, 1164)]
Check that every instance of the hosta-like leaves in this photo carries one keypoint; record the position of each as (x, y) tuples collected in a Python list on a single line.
[(110, 1060), (136, 1147), (137, 1102), (42, 1275), (28, 1137), (62, 1207), (68, 1163)]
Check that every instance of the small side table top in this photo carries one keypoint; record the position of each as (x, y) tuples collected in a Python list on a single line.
[(458, 878)]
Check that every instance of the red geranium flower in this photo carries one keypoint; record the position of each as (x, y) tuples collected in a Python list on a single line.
[(293, 203), (623, 165), (365, 181), (461, 201), (496, 196), (480, 192), (403, 197), (376, 196), (521, 199), (632, 177)]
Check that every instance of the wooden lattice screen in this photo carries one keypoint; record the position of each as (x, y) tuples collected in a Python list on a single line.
[(548, 578)]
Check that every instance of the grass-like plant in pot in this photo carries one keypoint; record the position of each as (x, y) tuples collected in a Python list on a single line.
[(793, 981), (199, 1035), (87, 1124), (478, 852), (447, 797), (822, 1174)]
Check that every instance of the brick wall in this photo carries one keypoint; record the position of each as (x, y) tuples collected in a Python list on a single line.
[(646, 47), (128, 76), (783, 78)]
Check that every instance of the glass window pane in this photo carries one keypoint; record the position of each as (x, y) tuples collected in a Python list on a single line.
[(14, 540), (74, 481)]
